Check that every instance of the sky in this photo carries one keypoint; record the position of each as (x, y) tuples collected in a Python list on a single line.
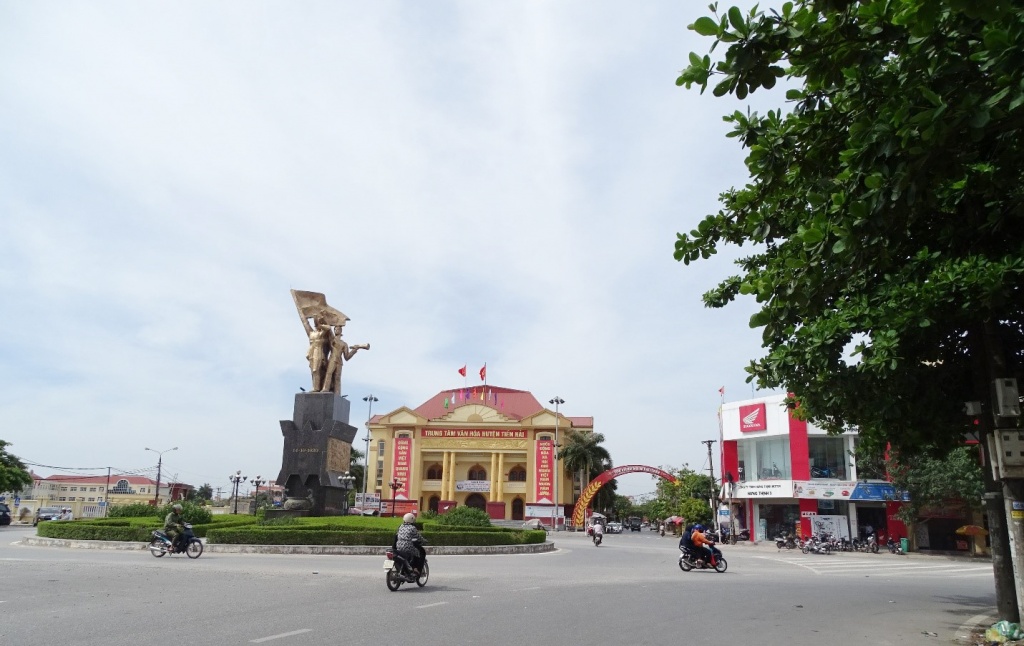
[(469, 182)]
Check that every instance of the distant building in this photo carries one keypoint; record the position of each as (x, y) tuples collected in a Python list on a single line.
[(88, 495), (487, 447)]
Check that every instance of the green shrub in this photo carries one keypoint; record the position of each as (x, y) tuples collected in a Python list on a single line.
[(296, 536), (190, 512), (465, 517), (134, 510), (90, 532)]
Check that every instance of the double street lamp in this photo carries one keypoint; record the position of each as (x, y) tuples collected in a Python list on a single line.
[(366, 456), (395, 485), (557, 401), (236, 479), (258, 481), (347, 481), (159, 465)]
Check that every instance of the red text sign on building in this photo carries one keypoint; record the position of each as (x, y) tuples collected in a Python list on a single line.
[(753, 418), (545, 468), (475, 433), (400, 471)]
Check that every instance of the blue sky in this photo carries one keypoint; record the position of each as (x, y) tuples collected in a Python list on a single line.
[(469, 182)]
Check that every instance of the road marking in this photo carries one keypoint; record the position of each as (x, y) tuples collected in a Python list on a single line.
[(431, 605), (291, 634)]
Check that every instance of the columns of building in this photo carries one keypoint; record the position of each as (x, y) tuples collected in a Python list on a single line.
[(446, 468), (450, 475), (499, 477), (492, 495)]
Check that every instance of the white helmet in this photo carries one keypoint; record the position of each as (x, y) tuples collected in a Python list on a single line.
[(409, 518)]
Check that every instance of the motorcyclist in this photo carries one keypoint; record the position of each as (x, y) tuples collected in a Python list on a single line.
[(174, 527), (702, 544), (598, 531), (409, 543)]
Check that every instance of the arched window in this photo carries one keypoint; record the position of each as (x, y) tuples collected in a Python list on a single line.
[(122, 486), (477, 472), (435, 472), (517, 474)]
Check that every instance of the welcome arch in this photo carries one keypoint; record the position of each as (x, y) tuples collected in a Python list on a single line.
[(580, 510)]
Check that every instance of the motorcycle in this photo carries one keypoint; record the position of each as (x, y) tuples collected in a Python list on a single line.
[(786, 542), (816, 545), (872, 544), (161, 544), (688, 560), (399, 570), (894, 546), (597, 539)]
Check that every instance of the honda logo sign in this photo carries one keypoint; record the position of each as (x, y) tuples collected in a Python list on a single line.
[(753, 418)]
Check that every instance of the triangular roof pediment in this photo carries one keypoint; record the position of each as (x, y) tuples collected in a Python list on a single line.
[(403, 415), (476, 414)]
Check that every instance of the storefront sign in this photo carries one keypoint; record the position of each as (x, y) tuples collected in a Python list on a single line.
[(400, 470), (764, 489), (474, 433), (541, 511), (823, 490), (544, 491), (753, 418), (472, 485), (368, 500)]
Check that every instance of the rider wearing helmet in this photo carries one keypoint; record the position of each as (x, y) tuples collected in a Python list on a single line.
[(408, 542), (174, 526), (701, 544)]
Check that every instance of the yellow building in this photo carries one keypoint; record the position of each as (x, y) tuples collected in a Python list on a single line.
[(486, 447)]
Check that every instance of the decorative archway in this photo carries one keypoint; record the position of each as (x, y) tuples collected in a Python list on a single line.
[(476, 501), (580, 510)]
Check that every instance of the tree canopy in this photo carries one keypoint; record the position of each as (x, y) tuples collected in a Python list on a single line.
[(884, 205), (955, 479), (13, 475)]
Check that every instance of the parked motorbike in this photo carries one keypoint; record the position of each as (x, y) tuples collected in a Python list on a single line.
[(161, 544), (786, 542), (816, 544), (399, 570), (872, 544), (894, 546), (688, 560)]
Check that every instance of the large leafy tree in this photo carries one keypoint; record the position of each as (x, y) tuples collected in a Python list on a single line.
[(954, 479), (13, 475), (884, 205)]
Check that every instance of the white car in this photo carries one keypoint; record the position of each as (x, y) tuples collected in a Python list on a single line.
[(614, 528)]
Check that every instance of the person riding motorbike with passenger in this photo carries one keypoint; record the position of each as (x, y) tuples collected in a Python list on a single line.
[(701, 544), (409, 543), (174, 527)]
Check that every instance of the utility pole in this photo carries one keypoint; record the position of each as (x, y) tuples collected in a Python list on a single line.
[(714, 498)]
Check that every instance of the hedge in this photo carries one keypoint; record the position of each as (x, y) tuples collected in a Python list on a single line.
[(88, 532), (296, 536)]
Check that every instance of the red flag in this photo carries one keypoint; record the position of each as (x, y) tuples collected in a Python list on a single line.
[(483, 372), (462, 371), (721, 391)]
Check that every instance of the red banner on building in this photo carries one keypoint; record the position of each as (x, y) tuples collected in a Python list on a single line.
[(400, 470), (753, 418), (545, 472)]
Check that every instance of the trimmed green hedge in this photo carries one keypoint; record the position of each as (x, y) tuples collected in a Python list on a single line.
[(87, 532), (296, 536)]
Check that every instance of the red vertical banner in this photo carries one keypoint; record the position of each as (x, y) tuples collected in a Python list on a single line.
[(400, 470), (545, 471)]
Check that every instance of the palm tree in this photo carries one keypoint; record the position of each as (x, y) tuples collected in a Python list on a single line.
[(583, 454)]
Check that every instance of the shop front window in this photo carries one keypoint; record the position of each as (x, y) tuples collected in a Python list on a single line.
[(777, 520), (827, 457), (773, 459)]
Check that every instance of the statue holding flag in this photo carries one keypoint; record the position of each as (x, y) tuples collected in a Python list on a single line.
[(327, 351)]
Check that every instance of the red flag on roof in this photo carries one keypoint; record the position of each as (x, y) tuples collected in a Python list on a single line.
[(483, 372), (721, 391), (462, 371)]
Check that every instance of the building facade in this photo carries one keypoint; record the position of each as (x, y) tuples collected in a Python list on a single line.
[(487, 447), (784, 475), (87, 496)]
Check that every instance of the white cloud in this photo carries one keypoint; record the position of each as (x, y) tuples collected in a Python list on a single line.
[(468, 182)]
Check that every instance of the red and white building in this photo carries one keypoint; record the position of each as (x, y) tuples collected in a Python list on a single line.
[(784, 475)]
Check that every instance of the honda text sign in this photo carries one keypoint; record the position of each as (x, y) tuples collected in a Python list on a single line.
[(753, 418)]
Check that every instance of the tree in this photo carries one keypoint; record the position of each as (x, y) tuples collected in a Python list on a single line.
[(205, 492), (881, 205), (355, 468), (883, 208), (13, 475), (582, 454), (937, 482)]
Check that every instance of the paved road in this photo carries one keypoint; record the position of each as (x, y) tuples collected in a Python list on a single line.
[(629, 590)]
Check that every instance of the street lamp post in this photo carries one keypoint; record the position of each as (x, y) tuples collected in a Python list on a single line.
[(366, 455), (159, 465), (347, 480), (557, 401), (257, 482), (395, 485), (236, 479)]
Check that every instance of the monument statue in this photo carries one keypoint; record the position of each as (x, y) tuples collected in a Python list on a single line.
[(327, 350)]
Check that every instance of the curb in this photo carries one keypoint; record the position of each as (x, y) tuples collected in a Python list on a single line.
[(329, 550)]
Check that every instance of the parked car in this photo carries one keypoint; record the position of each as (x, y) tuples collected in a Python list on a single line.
[(46, 513), (614, 528), (5, 514)]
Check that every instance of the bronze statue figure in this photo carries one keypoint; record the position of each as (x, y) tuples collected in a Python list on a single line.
[(327, 351)]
